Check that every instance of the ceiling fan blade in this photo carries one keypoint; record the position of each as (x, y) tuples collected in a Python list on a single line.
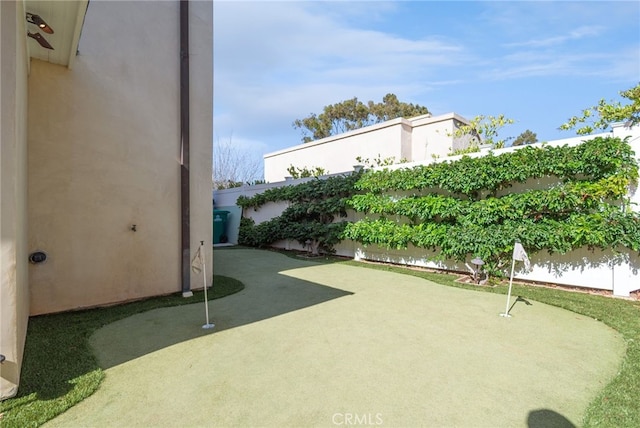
[(40, 39), (35, 19)]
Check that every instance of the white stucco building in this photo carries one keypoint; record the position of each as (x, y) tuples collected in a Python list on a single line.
[(416, 139), (106, 156)]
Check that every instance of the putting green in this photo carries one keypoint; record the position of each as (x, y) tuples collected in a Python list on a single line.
[(335, 345)]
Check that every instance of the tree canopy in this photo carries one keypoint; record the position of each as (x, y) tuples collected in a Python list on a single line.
[(354, 114), (600, 116), (483, 130), (527, 137), (304, 172)]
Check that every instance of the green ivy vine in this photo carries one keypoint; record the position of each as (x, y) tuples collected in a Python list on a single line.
[(310, 217), (557, 202), (588, 207), (593, 160), (454, 209)]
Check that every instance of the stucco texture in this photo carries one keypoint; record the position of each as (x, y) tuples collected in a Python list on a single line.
[(104, 155), (14, 292)]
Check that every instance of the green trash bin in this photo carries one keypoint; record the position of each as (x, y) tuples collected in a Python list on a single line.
[(220, 226)]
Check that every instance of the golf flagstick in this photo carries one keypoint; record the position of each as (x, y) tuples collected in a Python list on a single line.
[(204, 281), (506, 309), (521, 255)]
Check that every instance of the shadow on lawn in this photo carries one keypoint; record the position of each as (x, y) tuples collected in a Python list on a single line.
[(267, 294), (59, 351), (545, 418)]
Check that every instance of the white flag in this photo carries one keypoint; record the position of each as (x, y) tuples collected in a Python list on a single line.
[(196, 263), (521, 255)]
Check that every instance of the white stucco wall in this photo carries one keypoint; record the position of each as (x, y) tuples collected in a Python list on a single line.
[(14, 291), (608, 270), (201, 132), (338, 153), (418, 139), (616, 271), (104, 154), (431, 137)]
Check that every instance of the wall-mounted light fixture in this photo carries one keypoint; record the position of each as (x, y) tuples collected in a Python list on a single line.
[(37, 257), (35, 19)]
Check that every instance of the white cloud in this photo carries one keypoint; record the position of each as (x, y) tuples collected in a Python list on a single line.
[(275, 62), (285, 38), (577, 34), (242, 144), (606, 65)]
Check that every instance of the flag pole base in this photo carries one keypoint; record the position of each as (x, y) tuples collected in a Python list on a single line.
[(505, 315), (208, 326)]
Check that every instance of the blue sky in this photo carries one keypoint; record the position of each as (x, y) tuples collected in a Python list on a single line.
[(536, 62)]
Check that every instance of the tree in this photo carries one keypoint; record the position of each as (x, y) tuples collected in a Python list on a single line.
[(527, 137), (354, 114), (392, 108), (233, 165), (600, 116), (483, 130), (304, 172), (378, 161)]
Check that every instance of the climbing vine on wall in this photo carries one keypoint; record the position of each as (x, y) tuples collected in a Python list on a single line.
[(593, 160), (460, 209), (310, 217), (588, 206)]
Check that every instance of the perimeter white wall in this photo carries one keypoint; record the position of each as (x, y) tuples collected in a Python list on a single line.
[(614, 270)]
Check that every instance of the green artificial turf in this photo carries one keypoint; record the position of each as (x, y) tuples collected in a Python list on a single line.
[(59, 369), (617, 405)]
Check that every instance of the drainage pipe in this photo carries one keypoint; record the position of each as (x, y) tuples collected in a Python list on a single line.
[(184, 147)]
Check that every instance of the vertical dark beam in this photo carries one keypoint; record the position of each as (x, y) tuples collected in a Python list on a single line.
[(184, 146)]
